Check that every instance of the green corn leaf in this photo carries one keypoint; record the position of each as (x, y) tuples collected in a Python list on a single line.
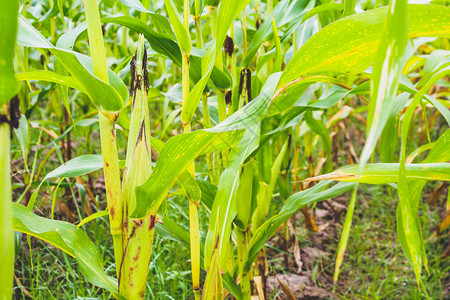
[(78, 166), (439, 153), (169, 48), (349, 8), (195, 95), (224, 207), (408, 225), (264, 31), (265, 192), (180, 151), (183, 38), (293, 204), (284, 100), (190, 187), (228, 11), (329, 50), (107, 97), (93, 217), (322, 8), (336, 48), (69, 239), (383, 173), (66, 41), (161, 24), (385, 78), (320, 129), (169, 229), (8, 23), (50, 76)]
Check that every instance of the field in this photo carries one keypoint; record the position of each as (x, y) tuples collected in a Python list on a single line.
[(208, 149)]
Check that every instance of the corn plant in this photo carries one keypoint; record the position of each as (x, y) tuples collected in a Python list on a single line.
[(254, 117)]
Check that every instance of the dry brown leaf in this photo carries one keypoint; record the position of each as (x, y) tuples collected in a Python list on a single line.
[(297, 256), (437, 193), (22, 288), (286, 289), (259, 287)]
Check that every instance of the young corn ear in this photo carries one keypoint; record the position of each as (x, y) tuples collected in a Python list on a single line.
[(137, 236)]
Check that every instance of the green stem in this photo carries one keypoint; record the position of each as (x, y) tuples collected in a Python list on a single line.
[(243, 257), (244, 32), (198, 30), (107, 131), (6, 231), (96, 43), (221, 104), (195, 247), (349, 8), (144, 15), (245, 194), (193, 207), (112, 183)]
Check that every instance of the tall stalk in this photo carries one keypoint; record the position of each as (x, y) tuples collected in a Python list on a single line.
[(6, 231), (107, 131), (221, 103), (193, 206), (244, 194), (8, 87)]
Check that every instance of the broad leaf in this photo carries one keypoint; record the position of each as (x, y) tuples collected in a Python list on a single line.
[(349, 45), (180, 151), (183, 38), (107, 97), (224, 208), (293, 204), (69, 239), (388, 173)]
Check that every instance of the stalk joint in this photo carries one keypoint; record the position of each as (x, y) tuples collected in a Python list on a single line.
[(14, 113)]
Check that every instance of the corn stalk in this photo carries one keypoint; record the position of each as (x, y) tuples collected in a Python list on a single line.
[(107, 131), (9, 115), (6, 232)]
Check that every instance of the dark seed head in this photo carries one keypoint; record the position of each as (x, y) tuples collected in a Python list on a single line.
[(248, 77), (228, 46), (144, 67), (241, 81), (14, 112), (133, 74), (228, 97)]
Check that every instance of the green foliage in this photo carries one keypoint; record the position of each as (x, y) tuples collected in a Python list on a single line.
[(230, 110)]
